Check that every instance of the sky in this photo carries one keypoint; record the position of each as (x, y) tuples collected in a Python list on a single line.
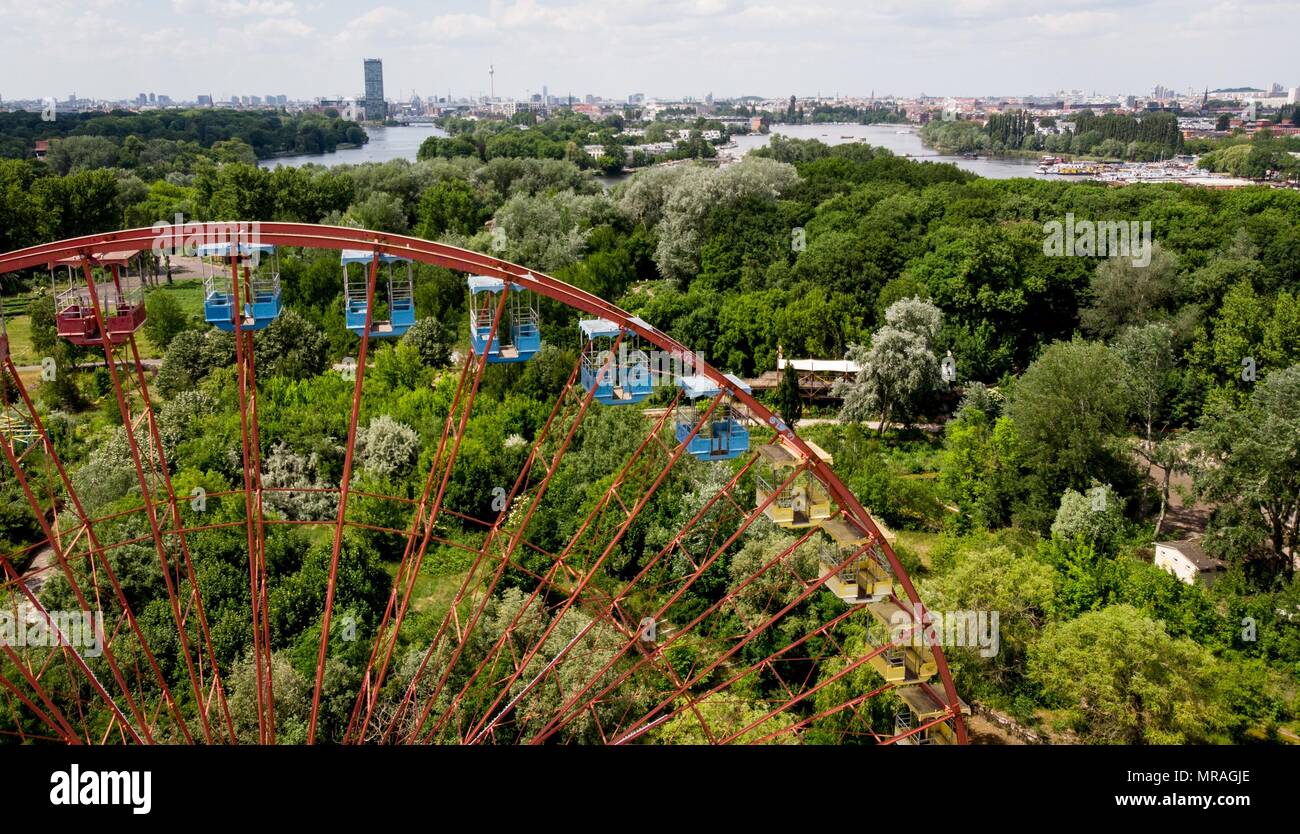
[(114, 49)]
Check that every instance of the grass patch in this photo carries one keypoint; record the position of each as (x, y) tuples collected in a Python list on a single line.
[(187, 293), (919, 542), (432, 592), (19, 329)]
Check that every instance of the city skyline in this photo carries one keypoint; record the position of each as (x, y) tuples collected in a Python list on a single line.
[(733, 47)]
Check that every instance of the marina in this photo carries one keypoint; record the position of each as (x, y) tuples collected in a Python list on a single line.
[(1180, 169)]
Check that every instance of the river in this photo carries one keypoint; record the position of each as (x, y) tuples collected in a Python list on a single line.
[(402, 143)]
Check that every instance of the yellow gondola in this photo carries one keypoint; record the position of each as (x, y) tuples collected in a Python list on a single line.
[(866, 578), (805, 501), (921, 707), (909, 660)]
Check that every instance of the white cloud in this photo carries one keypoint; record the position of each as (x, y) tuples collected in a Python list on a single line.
[(251, 7)]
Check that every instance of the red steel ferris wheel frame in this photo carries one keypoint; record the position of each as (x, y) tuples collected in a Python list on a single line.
[(314, 236)]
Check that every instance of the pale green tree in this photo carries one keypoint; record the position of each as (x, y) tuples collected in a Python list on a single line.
[(1097, 517), (387, 447), (898, 368)]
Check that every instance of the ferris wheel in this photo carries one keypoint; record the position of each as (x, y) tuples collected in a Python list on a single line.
[(547, 637)]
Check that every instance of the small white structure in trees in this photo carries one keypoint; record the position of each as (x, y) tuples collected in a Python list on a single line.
[(1187, 561)]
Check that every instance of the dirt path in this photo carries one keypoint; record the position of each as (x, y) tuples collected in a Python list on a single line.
[(983, 731), (149, 364), (1185, 513), (38, 571)]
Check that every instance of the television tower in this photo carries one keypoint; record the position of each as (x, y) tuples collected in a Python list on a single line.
[(492, 82)]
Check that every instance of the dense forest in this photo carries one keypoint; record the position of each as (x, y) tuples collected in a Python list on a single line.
[(1256, 157), (824, 113), (1110, 135), (565, 135), (1095, 406), (165, 141)]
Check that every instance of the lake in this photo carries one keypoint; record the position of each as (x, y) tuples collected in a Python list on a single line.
[(385, 143), (403, 142)]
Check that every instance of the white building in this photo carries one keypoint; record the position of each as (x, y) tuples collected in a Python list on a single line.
[(651, 148), (1188, 562)]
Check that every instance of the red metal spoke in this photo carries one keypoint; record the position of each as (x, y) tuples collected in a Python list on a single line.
[(521, 483), (446, 467), (700, 570), (344, 484), (196, 592), (462, 420), (646, 495), (610, 603), (559, 560), (151, 514), (61, 557)]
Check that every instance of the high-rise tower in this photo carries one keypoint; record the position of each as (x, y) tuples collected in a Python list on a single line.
[(375, 106)]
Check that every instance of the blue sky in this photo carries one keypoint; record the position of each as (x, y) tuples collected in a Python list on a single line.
[(117, 48)]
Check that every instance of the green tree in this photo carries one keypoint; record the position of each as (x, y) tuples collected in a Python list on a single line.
[(44, 325), (291, 346), (788, 401), (238, 191), (981, 470), (1148, 352), (379, 211), (164, 319), (433, 340), (1247, 460), (450, 206), (286, 469), (1119, 678), (387, 447), (1068, 408), (1096, 518), (1127, 293), (182, 365), (1020, 588)]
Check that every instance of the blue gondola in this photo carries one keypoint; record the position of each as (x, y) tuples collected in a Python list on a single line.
[(259, 286), (401, 295), (615, 379), (722, 438), (519, 333)]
